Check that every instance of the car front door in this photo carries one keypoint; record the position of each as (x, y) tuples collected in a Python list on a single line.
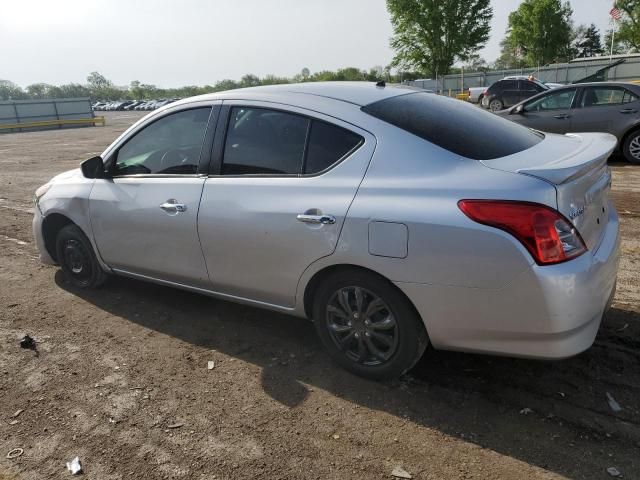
[(144, 217), (611, 109), (281, 184), (550, 112)]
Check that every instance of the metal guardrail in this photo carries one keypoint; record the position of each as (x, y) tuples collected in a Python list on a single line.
[(52, 123)]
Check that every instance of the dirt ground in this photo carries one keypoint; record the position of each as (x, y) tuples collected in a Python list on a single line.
[(121, 380)]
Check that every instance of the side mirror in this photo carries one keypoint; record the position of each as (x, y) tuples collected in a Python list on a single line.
[(93, 168), (518, 110)]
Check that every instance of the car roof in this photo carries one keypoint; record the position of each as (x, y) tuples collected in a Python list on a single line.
[(357, 93)]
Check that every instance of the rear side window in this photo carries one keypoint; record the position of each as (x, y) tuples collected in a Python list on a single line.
[(598, 96), (262, 141), (327, 145), (456, 126), (504, 85)]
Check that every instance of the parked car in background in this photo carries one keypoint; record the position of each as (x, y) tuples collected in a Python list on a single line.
[(132, 105), (529, 77), (612, 107), (505, 93), (476, 94), (392, 217)]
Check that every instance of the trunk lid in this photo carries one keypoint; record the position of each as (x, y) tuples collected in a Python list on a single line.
[(576, 165)]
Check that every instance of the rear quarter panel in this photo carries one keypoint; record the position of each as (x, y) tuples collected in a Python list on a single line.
[(415, 183)]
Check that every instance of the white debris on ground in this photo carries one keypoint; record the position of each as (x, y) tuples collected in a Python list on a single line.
[(74, 466)]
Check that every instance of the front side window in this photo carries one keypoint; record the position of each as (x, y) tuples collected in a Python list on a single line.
[(602, 96), (561, 100), (262, 141), (170, 145)]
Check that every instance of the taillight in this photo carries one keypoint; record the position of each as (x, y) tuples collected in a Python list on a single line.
[(545, 233)]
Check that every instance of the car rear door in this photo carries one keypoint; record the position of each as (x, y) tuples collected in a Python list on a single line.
[(144, 218), (281, 182), (551, 112), (509, 92), (611, 109)]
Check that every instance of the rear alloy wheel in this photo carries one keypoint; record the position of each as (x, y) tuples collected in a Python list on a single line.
[(631, 147), (77, 259), (496, 105), (368, 326)]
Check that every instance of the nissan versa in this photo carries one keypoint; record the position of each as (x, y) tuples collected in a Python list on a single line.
[(394, 218)]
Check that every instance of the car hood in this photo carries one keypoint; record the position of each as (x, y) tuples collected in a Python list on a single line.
[(76, 173)]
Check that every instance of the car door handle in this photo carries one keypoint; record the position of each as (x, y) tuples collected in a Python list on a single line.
[(317, 219), (628, 110), (562, 116), (172, 207)]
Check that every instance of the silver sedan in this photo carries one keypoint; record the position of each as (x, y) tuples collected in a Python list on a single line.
[(393, 218)]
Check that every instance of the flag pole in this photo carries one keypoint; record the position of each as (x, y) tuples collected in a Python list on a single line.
[(615, 14), (613, 36)]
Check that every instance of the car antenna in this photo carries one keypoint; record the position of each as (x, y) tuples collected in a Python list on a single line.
[(381, 83)]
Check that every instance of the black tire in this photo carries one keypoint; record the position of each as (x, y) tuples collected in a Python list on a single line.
[(631, 147), (495, 105), (77, 258), (480, 99), (404, 342)]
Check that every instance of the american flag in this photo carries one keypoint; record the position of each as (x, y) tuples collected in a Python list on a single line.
[(615, 13)]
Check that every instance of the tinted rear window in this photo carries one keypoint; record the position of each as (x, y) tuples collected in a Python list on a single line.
[(457, 126)]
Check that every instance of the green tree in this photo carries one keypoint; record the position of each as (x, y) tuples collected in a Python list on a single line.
[(618, 46), (510, 56), (587, 42), (226, 85), (97, 81), (431, 35), (39, 90), (11, 91), (628, 34), (542, 30), (249, 80), (475, 63)]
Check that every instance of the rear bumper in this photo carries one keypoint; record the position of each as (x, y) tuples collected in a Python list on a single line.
[(548, 312)]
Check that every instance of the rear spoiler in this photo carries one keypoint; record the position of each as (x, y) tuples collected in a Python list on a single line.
[(560, 158), (593, 153)]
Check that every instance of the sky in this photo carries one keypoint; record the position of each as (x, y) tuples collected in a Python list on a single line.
[(196, 42)]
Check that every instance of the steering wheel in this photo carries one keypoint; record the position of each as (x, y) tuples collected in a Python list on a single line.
[(173, 157)]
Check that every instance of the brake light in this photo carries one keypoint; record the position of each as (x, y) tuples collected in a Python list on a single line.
[(547, 235)]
